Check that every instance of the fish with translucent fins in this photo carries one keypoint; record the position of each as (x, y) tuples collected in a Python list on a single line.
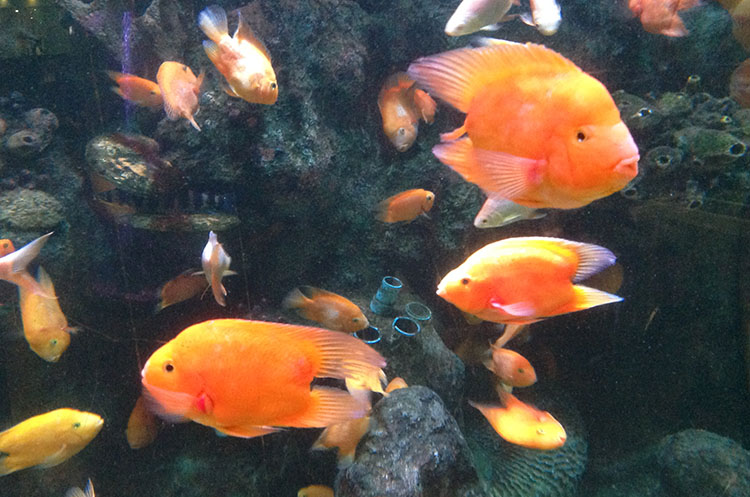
[(545, 16), (47, 440), (405, 206), (251, 378), (140, 91), (44, 325), (538, 131), (242, 59), (522, 280), (179, 89), (401, 106), (662, 16), (215, 262), (522, 424), (328, 309), (182, 287), (475, 15), (77, 492), (315, 491), (143, 426), (497, 212), (13, 266)]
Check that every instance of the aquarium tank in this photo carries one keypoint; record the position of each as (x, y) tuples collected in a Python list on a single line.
[(370, 248)]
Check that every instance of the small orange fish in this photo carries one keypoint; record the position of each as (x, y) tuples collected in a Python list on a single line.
[(538, 131), (401, 106), (243, 60), (511, 368), (44, 324), (405, 206), (140, 91), (13, 266), (344, 436), (396, 384), (526, 279), (6, 247), (47, 440), (179, 89), (315, 491), (185, 286), (142, 426), (326, 308), (246, 378), (522, 424), (661, 16)]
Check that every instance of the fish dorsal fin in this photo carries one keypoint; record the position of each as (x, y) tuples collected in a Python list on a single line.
[(458, 75), (245, 32), (45, 281), (591, 258), (75, 492)]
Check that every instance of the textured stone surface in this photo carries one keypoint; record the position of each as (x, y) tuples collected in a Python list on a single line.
[(31, 210)]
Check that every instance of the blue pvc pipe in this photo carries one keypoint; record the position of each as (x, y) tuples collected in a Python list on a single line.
[(406, 326), (386, 295)]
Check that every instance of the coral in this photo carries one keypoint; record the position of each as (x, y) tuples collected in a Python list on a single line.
[(709, 148), (30, 210), (24, 143), (662, 159)]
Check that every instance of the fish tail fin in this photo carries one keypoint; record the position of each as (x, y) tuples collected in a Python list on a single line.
[(114, 75), (425, 105), (382, 211), (192, 121), (213, 22), (328, 406), (20, 259), (217, 288), (586, 297), (295, 300)]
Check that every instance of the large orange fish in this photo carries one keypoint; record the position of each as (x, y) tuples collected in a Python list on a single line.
[(522, 424), (140, 91), (405, 206), (538, 130), (526, 279), (179, 89), (326, 308), (47, 440), (13, 266), (246, 378), (242, 59), (661, 16), (401, 106), (44, 324)]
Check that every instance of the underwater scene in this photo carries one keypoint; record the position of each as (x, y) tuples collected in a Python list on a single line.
[(375, 248)]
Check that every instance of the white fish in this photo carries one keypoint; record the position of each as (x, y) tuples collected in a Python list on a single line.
[(474, 15), (496, 212), (545, 16), (77, 492), (215, 262)]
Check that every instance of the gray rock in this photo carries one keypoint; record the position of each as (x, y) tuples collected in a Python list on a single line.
[(30, 210)]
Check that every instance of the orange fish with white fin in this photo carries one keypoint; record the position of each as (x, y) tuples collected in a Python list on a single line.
[(527, 279), (179, 89), (250, 378), (538, 131), (405, 206), (522, 424), (242, 59), (326, 308), (401, 106), (140, 91), (13, 266), (662, 17)]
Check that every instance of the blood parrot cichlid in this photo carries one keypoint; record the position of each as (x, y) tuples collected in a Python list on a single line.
[(245, 378), (538, 131), (328, 309), (526, 279)]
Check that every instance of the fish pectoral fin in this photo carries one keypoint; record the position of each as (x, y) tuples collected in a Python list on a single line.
[(508, 175), (527, 19), (245, 32), (248, 431), (520, 309), (327, 406), (54, 459), (230, 91)]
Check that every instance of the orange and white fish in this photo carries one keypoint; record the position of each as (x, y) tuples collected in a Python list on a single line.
[(315, 491), (13, 266), (522, 424), (77, 492), (6, 247), (510, 367), (538, 131), (526, 279), (215, 262), (247, 378), (497, 212), (405, 206), (661, 16), (401, 106), (545, 16), (243, 60), (179, 89), (475, 15), (47, 440), (184, 286), (326, 308), (142, 427), (140, 91), (44, 324), (344, 436)]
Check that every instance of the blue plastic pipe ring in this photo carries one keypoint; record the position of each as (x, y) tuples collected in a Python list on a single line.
[(406, 326), (418, 312), (386, 295), (368, 335)]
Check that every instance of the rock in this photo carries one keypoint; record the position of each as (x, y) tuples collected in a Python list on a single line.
[(710, 147), (185, 222), (41, 120), (25, 143), (30, 210), (414, 448)]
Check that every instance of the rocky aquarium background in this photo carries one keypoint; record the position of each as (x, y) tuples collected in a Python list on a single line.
[(653, 391)]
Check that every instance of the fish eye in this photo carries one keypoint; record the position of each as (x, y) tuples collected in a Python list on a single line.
[(401, 131), (520, 370), (273, 86), (356, 320), (540, 431), (77, 425), (580, 136), (429, 197), (168, 367), (465, 281), (53, 342)]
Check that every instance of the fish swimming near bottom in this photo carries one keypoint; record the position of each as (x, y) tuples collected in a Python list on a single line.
[(47, 440), (77, 492)]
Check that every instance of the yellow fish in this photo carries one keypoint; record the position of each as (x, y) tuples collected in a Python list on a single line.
[(44, 324), (47, 440)]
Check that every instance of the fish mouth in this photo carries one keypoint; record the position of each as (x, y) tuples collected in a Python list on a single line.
[(628, 167)]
